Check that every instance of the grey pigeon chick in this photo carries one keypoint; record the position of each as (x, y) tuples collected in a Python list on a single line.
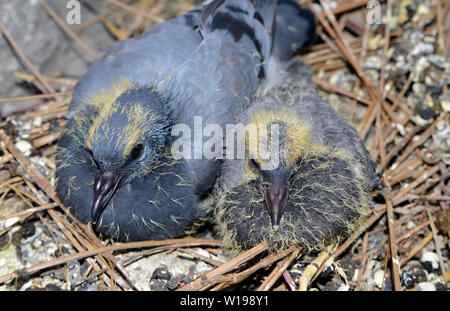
[(306, 179), (115, 163)]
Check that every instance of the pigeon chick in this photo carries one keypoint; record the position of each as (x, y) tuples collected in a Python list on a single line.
[(306, 177), (116, 165)]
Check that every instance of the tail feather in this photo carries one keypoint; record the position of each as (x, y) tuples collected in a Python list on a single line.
[(237, 18), (265, 13)]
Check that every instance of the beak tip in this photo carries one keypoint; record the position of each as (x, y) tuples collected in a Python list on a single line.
[(95, 213), (93, 223), (105, 186), (275, 200)]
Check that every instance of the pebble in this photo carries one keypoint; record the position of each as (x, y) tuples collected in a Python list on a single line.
[(426, 287), (74, 274), (11, 221), (412, 274), (440, 286), (343, 288), (24, 147), (421, 65), (161, 273), (328, 272), (202, 267), (355, 275), (424, 15), (445, 103), (51, 248), (418, 88), (410, 224), (437, 60), (417, 119), (378, 278), (37, 122), (373, 62), (400, 128), (427, 113), (430, 261), (422, 49), (407, 279)]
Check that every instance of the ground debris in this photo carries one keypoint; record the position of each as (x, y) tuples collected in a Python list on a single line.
[(391, 82)]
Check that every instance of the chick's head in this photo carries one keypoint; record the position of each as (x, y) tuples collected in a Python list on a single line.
[(274, 141), (124, 131), (294, 190)]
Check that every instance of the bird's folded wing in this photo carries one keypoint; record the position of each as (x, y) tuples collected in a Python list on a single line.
[(221, 76), (145, 59)]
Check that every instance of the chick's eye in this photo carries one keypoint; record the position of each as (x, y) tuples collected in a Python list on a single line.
[(136, 152)]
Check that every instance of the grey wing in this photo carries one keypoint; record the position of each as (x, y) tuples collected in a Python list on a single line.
[(212, 87), (335, 131), (216, 82), (148, 58)]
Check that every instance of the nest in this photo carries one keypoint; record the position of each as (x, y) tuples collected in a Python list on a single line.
[(391, 83)]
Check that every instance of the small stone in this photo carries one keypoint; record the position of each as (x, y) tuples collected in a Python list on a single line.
[(374, 42), (423, 9), (74, 275), (419, 67), (378, 278), (400, 128), (175, 281), (440, 286), (202, 267), (86, 287), (37, 122), (430, 261), (410, 224), (373, 62), (24, 147), (11, 221), (158, 285), (445, 103), (51, 249), (327, 273), (343, 288), (355, 275), (426, 287), (418, 89), (422, 49), (424, 15), (437, 60), (407, 279), (372, 74), (417, 119), (161, 273), (429, 39), (427, 113)]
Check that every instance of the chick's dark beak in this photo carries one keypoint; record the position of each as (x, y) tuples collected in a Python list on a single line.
[(105, 185), (276, 199)]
